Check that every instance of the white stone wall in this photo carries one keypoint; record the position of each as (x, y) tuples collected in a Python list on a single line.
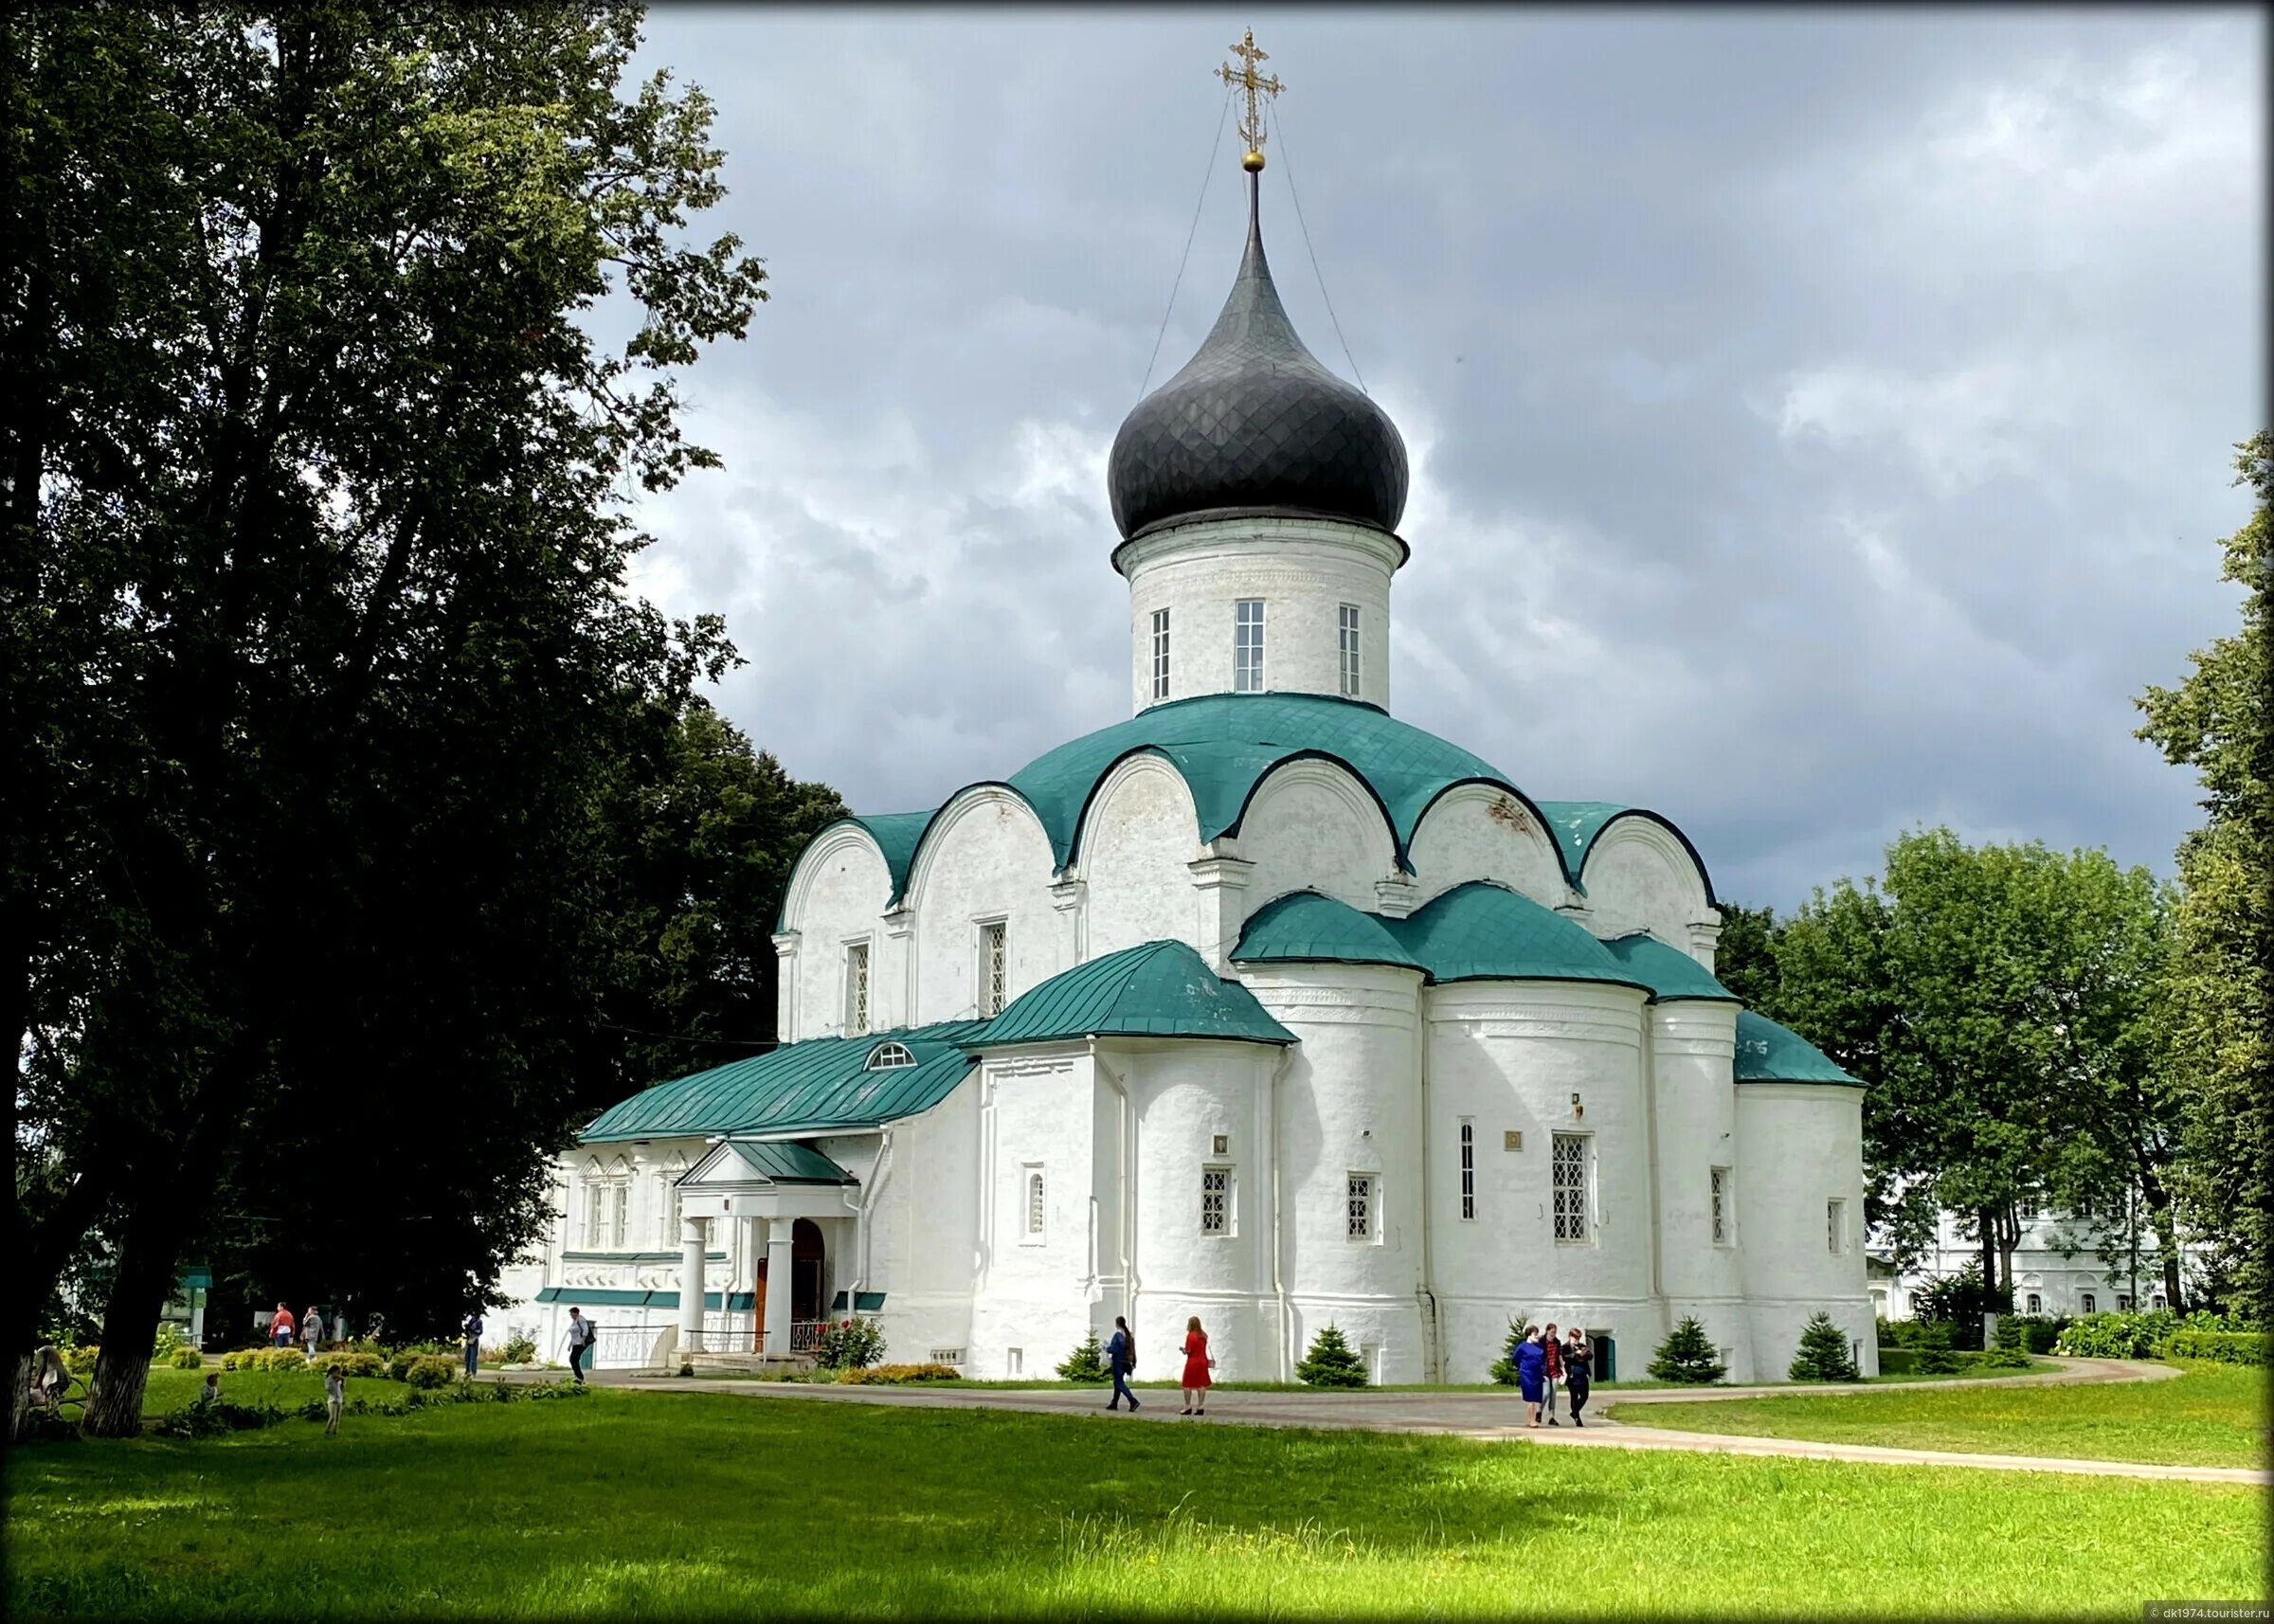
[(1691, 1049), (1138, 840), (1348, 1103), (1479, 831), (1303, 569), (1033, 1292), (924, 1239), (985, 858), (1799, 1146), (836, 895), (1182, 1096), (1639, 876), (1509, 1055), (1311, 826)]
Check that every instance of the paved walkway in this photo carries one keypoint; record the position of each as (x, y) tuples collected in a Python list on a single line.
[(1489, 1416)]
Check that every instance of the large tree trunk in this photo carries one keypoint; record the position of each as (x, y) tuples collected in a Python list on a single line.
[(1986, 1226), (2165, 1223), (149, 1249)]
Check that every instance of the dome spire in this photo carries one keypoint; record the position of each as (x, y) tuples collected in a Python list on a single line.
[(1244, 78)]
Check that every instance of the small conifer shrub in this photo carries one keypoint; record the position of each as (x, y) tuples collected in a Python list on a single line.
[(1824, 1354), (1087, 1362), (1935, 1356), (1331, 1361), (1685, 1356)]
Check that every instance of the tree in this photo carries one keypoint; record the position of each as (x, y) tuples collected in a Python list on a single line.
[(1331, 1361), (1824, 1354), (317, 644), (1745, 961), (2221, 987), (1087, 1362), (2000, 1005), (1686, 1355)]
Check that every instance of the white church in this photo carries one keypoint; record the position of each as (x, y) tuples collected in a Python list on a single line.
[(1260, 1004)]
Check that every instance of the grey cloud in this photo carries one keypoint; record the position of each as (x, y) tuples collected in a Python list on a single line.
[(1823, 416)]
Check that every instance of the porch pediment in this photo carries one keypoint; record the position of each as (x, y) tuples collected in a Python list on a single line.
[(764, 1178)]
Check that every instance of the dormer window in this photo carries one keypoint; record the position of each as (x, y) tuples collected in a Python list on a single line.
[(889, 1056)]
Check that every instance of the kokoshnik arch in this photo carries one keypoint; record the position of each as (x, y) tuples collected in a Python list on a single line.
[(1260, 1006)]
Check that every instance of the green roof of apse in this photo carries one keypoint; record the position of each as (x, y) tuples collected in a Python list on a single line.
[(1482, 932), (1576, 823), (1670, 974), (1155, 989), (822, 1083), (1767, 1052), (1305, 927)]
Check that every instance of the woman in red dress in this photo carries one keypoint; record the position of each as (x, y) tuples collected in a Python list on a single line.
[(1196, 1365)]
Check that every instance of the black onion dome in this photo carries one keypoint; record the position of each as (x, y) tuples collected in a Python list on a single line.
[(1256, 424)]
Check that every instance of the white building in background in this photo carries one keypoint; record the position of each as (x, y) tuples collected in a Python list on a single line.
[(1260, 1005), (2057, 1270)]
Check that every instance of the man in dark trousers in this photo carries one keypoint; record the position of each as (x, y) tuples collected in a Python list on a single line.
[(473, 1333), (1121, 1354)]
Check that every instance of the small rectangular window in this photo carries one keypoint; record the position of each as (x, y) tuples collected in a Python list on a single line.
[(1567, 1157), (1216, 1200), (2036, 1304), (994, 970), (1836, 1227), (1357, 1217), (596, 1223), (856, 988), (1468, 1170), (1034, 1203), (2090, 1303), (1159, 654), (620, 1213), (1247, 646), (1720, 1178), (1349, 631)]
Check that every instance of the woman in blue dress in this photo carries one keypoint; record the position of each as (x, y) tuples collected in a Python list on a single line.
[(1531, 1370)]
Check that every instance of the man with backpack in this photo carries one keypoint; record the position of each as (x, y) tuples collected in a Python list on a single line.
[(471, 1328), (1121, 1353)]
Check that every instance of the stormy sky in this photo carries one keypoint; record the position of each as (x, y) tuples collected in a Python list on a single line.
[(1820, 422)]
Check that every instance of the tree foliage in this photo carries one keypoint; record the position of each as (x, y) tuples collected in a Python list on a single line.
[(1688, 1356), (1331, 1361), (1824, 1354), (2222, 986), (319, 658)]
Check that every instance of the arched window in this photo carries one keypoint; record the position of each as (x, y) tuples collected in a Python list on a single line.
[(887, 1056)]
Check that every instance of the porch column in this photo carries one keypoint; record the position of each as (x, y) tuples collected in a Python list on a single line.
[(778, 1287), (691, 1283)]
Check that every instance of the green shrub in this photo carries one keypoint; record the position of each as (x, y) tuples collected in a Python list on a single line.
[(169, 1336), (1935, 1356), (1503, 1370), (1087, 1362), (430, 1370), (849, 1344), (2227, 1348), (1959, 1301), (1823, 1354), (349, 1363), (517, 1350), (2126, 1335), (1331, 1361), (80, 1360), (1685, 1356), (185, 1358), (280, 1359), (400, 1361), (898, 1374), (242, 1358), (1898, 1360)]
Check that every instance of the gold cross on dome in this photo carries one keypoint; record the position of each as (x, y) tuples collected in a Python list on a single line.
[(1244, 78)]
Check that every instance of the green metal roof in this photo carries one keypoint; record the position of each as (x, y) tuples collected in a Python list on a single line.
[(1670, 974), (822, 1083), (1225, 743), (1482, 932), (863, 1301), (896, 834), (623, 1297), (1767, 1052), (1155, 989), (1305, 927), (786, 1161), (1576, 824)]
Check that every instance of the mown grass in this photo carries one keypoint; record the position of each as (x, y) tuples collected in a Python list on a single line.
[(656, 1504), (2212, 1414)]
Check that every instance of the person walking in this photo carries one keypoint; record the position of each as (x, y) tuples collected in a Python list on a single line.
[(1531, 1365), (336, 1396), (1551, 1371), (1196, 1365), (472, 1328), (312, 1329), (1578, 1367), (279, 1329), (580, 1343), (1121, 1354)]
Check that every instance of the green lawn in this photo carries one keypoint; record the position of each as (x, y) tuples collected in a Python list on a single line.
[(660, 1504), (170, 1389), (2213, 1414)]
